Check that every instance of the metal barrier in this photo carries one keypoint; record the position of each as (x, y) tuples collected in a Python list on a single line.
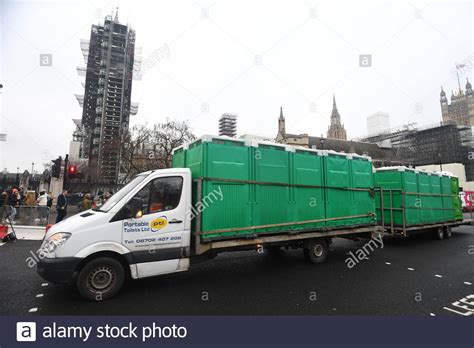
[(25, 215)]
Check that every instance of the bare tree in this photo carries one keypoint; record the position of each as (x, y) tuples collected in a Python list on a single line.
[(146, 148)]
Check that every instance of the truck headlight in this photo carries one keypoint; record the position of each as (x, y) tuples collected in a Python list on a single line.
[(56, 240)]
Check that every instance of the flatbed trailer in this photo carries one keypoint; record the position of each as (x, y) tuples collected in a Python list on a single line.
[(440, 230), (289, 238)]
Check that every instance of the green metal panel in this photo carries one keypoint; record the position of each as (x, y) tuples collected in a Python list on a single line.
[(436, 201), (308, 201), (338, 201), (447, 201), (411, 201), (424, 186), (389, 180), (178, 159), (272, 204), (363, 201), (404, 185), (458, 215)]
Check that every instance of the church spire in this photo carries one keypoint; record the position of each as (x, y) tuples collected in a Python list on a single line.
[(281, 127), (336, 129), (335, 117)]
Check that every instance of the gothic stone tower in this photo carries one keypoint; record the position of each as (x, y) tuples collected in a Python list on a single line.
[(461, 109), (281, 127), (336, 129)]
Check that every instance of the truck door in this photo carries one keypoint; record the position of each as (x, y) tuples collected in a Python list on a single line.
[(155, 235)]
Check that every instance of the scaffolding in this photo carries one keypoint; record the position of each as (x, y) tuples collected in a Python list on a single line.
[(228, 125), (110, 58), (432, 144)]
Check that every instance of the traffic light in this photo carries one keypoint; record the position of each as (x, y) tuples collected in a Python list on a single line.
[(56, 168), (72, 172)]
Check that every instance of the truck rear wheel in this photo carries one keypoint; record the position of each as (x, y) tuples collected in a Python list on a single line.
[(448, 232), (438, 233), (316, 251), (100, 279)]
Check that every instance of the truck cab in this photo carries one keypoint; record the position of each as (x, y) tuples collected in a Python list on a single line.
[(141, 231)]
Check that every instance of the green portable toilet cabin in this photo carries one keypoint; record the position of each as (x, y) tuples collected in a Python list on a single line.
[(349, 189), (447, 198), (403, 184), (457, 204)]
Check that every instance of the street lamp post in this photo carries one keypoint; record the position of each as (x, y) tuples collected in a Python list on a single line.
[(440, 162), (321, 141)]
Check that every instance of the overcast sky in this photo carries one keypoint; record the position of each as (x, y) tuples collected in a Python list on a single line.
[(243, 57)]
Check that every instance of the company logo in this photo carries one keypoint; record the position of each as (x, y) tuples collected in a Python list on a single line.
[(158, 223), (26, 331)]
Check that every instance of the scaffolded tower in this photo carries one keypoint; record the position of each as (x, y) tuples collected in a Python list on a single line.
[(109, 55), (228, 125)]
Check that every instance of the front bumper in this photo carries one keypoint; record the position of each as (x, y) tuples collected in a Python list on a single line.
[(61, 270)]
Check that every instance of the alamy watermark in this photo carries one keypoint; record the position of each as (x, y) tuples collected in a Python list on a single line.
[(361, 254)]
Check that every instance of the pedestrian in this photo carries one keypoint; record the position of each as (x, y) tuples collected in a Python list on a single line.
[(14, 203), (30, 202), (43, 206), (50, 200), (61, 206), (86, 203), (4, 206)]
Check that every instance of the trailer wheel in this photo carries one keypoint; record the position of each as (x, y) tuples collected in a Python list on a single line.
[(100, 279), (448, 232), (438, 233), (316, 251)]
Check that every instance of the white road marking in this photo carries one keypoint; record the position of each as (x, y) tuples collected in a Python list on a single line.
[(2, 244), (32, 310), (44, 284), (467, 283), (438, 276), (367, 258), (39, 295), (411, 269), (388, 263), (432, 314), (464, 306)]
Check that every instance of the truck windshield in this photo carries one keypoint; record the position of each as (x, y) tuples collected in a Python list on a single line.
[(114, 199)]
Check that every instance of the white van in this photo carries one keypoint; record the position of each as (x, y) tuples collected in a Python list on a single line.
[(99, 248)]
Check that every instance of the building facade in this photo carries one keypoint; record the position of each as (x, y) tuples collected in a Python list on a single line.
[(378, 123), (109, 55), (336, 129), (461, 109)]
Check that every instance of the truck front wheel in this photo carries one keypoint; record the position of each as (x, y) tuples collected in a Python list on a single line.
[(100, 279), (316, 251)]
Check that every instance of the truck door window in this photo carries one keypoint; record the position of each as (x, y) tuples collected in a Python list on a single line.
[(161, 194)]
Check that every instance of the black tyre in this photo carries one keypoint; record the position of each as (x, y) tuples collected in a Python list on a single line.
[(316, 251), (100, 279), (448, 232), (438, 233)]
